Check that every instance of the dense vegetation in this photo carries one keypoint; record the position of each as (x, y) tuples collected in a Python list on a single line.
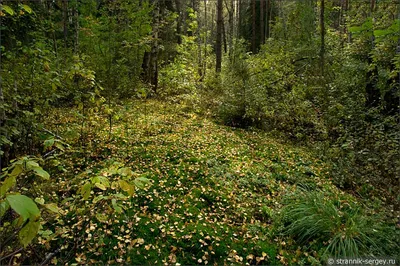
[(199, 132)]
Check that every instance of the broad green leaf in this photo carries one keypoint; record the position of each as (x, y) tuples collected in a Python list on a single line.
[(42, 173), (24, 206), (98, 198), (140, 182), (125, 171), (116, 207), (120, 196), (7, 184), (27, 8), (8, 10), (125, 186), (17, 170), (104, 181), (100, 185), (52, 207), (60, 146), (28, 232), (85, 190), (45, 233), (101, 182), (48, 143), (4, 206), (39, 200), (30, 165), (143, 180)]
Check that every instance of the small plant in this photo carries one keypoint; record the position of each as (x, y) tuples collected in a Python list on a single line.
[(343, 228), (19, 214)]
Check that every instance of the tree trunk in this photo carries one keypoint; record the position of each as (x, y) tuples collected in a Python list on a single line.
[(154, 57), (322, 28), (179, 22), (196, 4), (373, 93), (262, 12), (150, 59), (76, 18), (205, 41), (218, 47), (65, 21), (239, 18), (253, 39), (231, 11), (224, 37), (268, 18)]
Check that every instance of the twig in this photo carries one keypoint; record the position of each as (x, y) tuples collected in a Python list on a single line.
[(49, 153), (13, 235), (11, 254), (55, 135), (50, 256)]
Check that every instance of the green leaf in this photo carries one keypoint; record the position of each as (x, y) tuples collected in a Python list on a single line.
[(98, 198), (103, 180), (28, 232), (99, 185), (30, 164), (125, 171), (24, 206), (39, 200), (8, 10), (125, 186), (42, 173), (4, 206), (27, 8), (140, 182), (116, 207), (85, 190), (60, 146), (17, 170), (52, 207), (7, 184), (48, 143)]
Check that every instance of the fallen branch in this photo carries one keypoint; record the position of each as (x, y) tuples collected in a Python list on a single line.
[(11, 254), (50, 256)]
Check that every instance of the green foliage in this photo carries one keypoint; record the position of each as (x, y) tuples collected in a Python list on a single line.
[(338, 221), (27, 224), (122, 35)]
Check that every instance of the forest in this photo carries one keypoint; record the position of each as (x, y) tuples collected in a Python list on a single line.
[(199, 132)]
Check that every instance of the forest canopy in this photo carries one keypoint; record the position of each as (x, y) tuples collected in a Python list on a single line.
[(183, 132)]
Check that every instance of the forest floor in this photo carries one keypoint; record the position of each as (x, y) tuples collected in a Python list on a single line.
[(215, 195)]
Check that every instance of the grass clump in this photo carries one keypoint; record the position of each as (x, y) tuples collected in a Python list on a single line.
[(337, 226)]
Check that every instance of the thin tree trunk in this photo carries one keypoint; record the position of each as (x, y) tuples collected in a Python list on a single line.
[(224, 37), (205, 41), (231, 11), (322, 28), (196, 4), (268, 18), (239, 18), (253, 39), (65, 21), (179, 22), (218, 47), (76, 18), (154, 57), (262, 12)]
